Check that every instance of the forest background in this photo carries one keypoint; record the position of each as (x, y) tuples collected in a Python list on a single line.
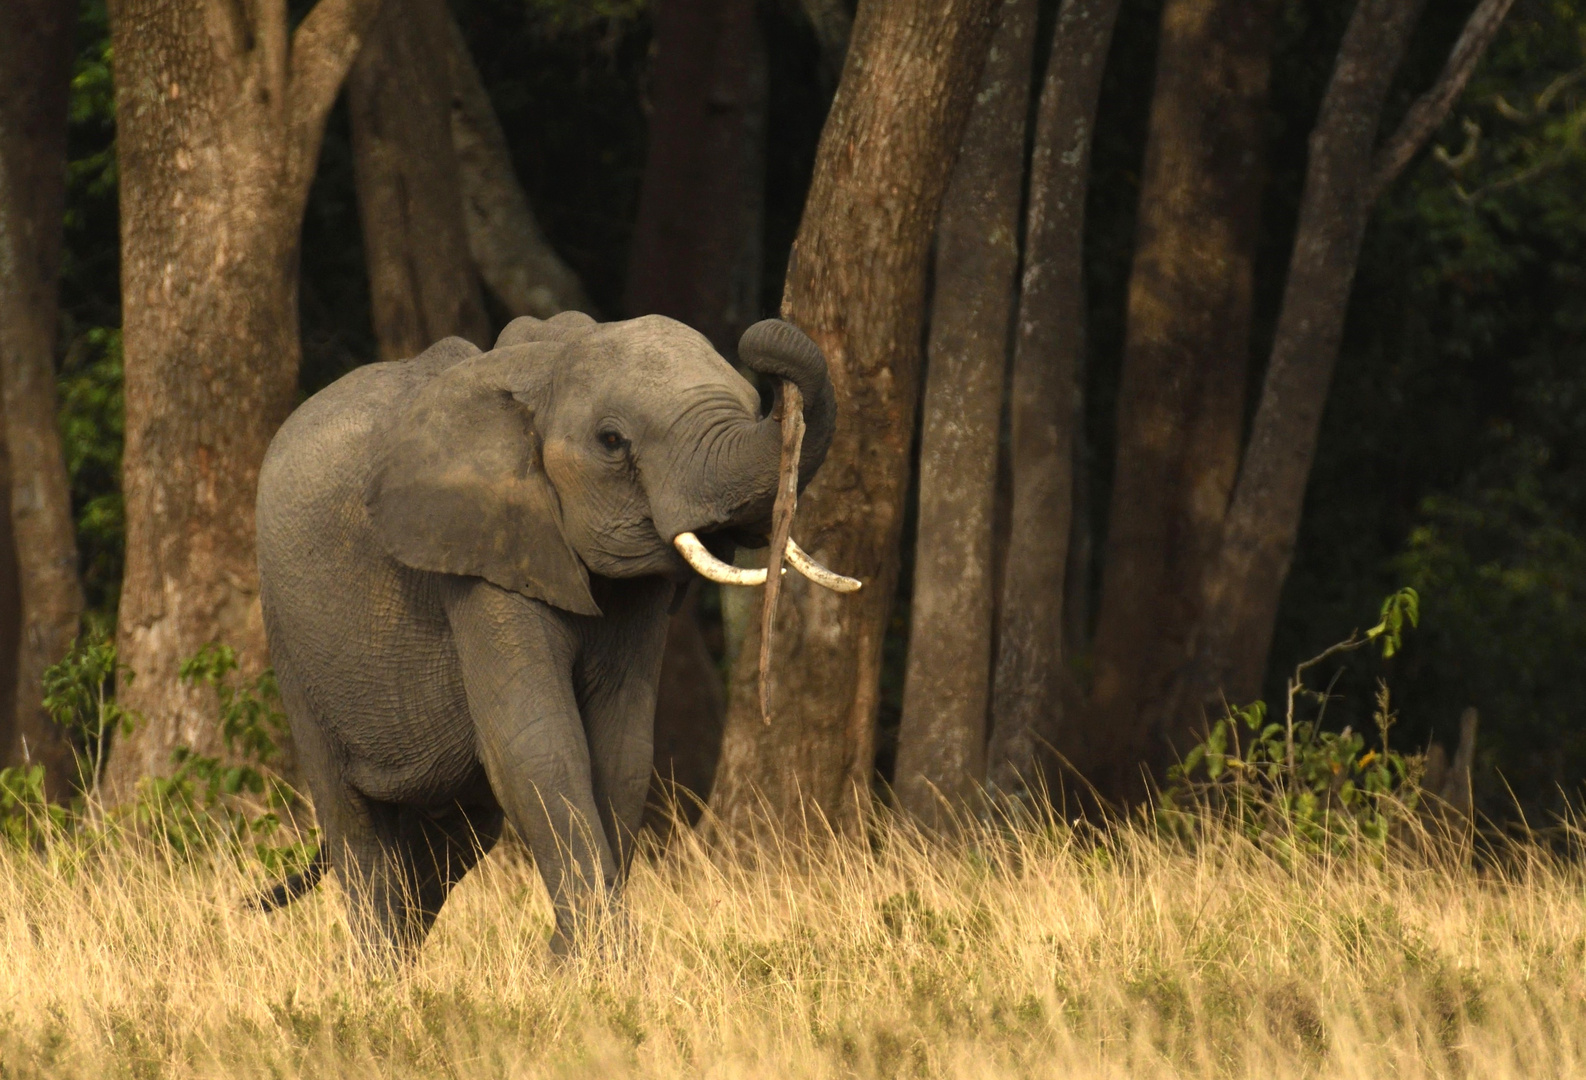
[(1452, 453)]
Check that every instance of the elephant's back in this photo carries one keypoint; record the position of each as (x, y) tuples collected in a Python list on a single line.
[(362, 640)]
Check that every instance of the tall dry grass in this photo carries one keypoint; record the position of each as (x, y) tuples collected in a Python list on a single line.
[(1008, 952)]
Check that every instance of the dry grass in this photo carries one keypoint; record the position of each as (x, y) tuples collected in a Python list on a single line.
[(1008, 953)]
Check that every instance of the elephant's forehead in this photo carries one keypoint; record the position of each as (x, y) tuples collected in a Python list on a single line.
[(655, 353)]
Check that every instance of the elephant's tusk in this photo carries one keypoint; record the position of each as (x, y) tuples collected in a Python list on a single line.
[(713, 569), (817, 573)]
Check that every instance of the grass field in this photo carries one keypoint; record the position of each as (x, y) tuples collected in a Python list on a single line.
[(1011, 952)]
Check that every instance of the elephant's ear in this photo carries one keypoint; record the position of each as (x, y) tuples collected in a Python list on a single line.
[(459, 487)]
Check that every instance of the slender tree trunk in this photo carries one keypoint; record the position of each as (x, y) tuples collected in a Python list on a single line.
[(1027, 695), (10, 620), (35, 73), (942, 740), (1186, 358), (515, 259), (422, 281), (856, 284), (1343, 179), (220, 112), (696, 257)]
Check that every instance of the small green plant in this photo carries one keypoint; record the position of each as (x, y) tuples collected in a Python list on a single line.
[(79, 695), (1295, 780), (239, 799), (27, 817)]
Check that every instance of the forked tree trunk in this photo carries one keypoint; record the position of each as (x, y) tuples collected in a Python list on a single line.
[(1186, 358), (1027, 693), (696, 257), (514, 258), (856, 284), (35, 73), (422, 281), (220, 112), (942, 741), (1344, 176)]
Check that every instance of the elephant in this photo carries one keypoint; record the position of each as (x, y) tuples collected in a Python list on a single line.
[(466, 562)]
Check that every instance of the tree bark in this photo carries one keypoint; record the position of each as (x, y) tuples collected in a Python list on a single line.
[(1186, 357), (1027, 694), (696, 252), (1343, 179), (856, 284), (514, 258), (35, 73), (10, 622), (422, 281), (942, 740), (220, 113), (696, 257)]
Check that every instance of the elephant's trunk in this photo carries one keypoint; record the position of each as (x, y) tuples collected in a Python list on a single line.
[(736, 480), (774, 347)]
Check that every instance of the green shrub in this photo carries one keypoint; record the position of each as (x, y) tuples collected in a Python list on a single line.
[(1293, 781)]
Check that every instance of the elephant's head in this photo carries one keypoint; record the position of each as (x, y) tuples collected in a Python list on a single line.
[(574, 447)]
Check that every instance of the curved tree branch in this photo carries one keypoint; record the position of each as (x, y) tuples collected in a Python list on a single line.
[(1432, 107), (323, 48)]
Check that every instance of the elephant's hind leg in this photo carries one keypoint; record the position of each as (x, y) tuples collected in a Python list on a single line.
[(438, 847)]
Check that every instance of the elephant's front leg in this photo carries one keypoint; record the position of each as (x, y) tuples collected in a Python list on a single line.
[(517, 657), (616, 679)]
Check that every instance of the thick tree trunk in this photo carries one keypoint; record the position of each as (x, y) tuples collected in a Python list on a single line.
[(696, 257), (422, 281), (1186, 357), (1343, 178), (696, 242), (515, 259), (219, 118), (35, 73), (1027, 695), (856, 284), (942, 740)]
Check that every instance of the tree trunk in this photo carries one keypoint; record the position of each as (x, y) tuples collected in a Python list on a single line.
[(696, 257), (856, 284), (515, 259), (1186, 357), (696, 242), (1343, 178), (10, 623), (1027, 694), (422, 281), (942, 740), (220, 113), (35, 73)]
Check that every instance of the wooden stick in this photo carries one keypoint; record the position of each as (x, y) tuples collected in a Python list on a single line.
[(787, 494)]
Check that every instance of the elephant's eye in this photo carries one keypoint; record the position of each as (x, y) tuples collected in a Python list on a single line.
[(612, 440)]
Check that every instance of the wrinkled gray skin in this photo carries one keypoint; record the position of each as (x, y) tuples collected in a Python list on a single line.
[(466, 564)]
